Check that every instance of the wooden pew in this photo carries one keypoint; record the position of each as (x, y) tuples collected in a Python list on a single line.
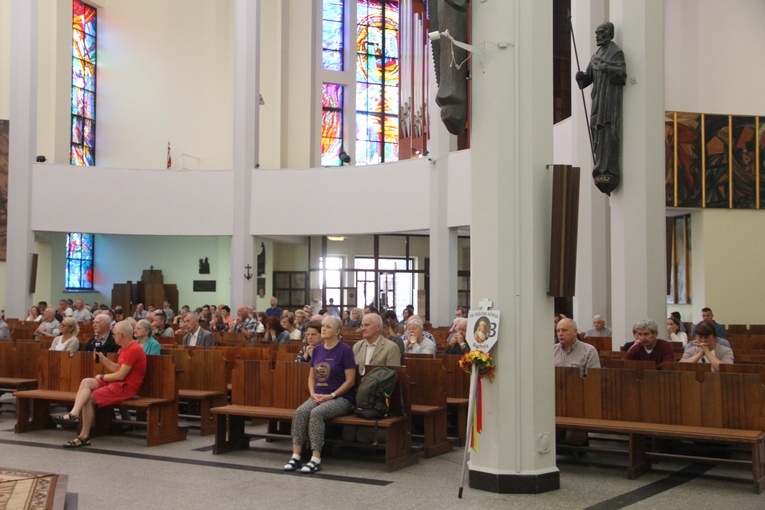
[(666, 405), (601, 343), (457, 386), (19, 362), (736, 329), (428, 377), (262, 392), (60, 377), (158, 399), (201, 382)]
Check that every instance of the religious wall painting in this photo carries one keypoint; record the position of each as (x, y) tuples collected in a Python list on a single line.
[(4, 152), (744, 170), (687, 158), (761, 157), (716, 159), (682, 258), (669, 159)]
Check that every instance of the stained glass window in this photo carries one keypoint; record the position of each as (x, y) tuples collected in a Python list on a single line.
[(377, 81), (83, 107), (78, 274), (79, 261), (331, 124), (332, 35)]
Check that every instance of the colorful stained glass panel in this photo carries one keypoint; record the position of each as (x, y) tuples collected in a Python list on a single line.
[(83, 75), (333, 31), (83, 103), (332, 124), (377, 79), (83, 46), (83, 17), (79, 261)]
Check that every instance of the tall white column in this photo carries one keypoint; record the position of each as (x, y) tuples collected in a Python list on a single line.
[(511, 144), (23, 146), (592, 261), (443, 240), (246, 133), (638, 267)]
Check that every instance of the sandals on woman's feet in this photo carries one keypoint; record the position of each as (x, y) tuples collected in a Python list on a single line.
[(292, 465), (68, 420), (77, 442), (311, 467)]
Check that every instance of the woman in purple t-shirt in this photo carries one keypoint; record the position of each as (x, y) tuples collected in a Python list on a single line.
[(330, 383)]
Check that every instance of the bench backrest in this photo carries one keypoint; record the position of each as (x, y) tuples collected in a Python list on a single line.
[(729, 400), (264, 383), (428, 377), (60, 372), (457, 380), (160, 380), (199, 369), (19, 359)]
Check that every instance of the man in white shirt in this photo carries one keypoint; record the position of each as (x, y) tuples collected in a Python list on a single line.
[(195, 335), (81, 314), (48, 325), (374, 349)]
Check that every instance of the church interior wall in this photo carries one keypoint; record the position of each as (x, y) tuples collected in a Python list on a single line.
[(733, 273), (157, 85), (711, 49), (123, 258), (710, 55)]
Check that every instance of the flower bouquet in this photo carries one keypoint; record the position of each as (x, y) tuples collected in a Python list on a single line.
[(481, 360)]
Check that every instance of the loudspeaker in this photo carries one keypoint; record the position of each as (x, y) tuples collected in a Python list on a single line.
[(33, 274), (565, 222)]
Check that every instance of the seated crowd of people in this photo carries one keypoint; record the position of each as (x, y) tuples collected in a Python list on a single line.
[(705, 345)]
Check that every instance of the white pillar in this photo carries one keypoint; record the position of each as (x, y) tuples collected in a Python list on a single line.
[(23, 146), (511, 144), (246, 132), (638, 271), (443, 240), (592, 261)]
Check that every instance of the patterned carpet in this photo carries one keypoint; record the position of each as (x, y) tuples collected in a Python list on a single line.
[(23, 490)]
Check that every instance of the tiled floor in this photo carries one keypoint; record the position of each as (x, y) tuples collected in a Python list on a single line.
[(119, 472)]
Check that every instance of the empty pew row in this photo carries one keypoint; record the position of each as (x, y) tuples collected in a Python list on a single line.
[(688, 405)]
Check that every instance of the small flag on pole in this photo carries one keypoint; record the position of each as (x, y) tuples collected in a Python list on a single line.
[(169, 157)]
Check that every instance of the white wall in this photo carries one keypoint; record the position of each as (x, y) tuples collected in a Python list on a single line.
[(116, 200), (713, 56), (390, 197), (156, 84)]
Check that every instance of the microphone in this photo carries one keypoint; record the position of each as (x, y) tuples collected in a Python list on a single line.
[(96, 348)]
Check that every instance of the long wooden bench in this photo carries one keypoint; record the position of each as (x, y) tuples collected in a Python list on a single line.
[(201, 383), (428, 377), (457, 391), (666, 405), (18, 365), (59, 380), (272, 391)]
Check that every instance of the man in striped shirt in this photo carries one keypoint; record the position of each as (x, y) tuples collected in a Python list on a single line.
[(569, 351)]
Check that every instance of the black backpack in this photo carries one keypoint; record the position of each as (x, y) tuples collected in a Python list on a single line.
[(374, 393)]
